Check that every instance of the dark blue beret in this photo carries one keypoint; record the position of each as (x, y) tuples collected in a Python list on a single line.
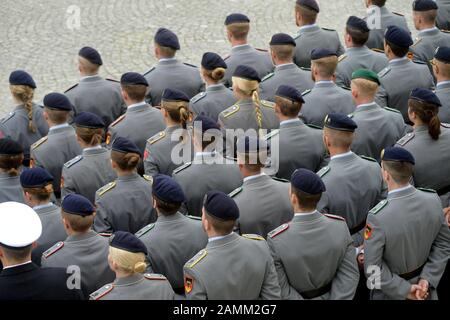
[(425, 95), (424, 5), (127, 241), (35, 178), (174, 95), (133, 78), (91, 55), (236, 18), (206, 123), (289, 93), (20, 77), (397, 154), (125, 145), (89, 120), (251, 144), (247, 73), (340, 121), (57, 101), (398, 36), (167, 189), (78, 205), (443, 54), (311, 4), (10, 147), (282, 39), (221, 206), (320, 53), (307, 181), (211, 61), (166, 38), (358, 24)]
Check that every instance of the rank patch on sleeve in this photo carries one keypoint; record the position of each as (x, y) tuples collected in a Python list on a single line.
[(188, 284), (368, 232)]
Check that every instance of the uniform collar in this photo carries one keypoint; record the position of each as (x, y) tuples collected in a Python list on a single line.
[(17, 269), (83, 236), (401, 192), (241, 47), (129, 177), (324, 84), (16, 265), (135, 278), (174, 128), (217, 241), (443, 85), (254, 177), (342, 156), (137, 106), (90, 78), (200, 156), (173, 217), (422, 128), (215, 88), (93, 150), (357, 49), (429, 32), (43, 206), (59, 127), (167, 61), (366, 106), (399, 61), (308, 28), (285, 66), (305, 217), (295, 121)]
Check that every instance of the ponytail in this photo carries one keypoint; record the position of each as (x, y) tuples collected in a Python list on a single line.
[(434, 127), (25, 95), (427, 113), (178, 111), (250, 88)]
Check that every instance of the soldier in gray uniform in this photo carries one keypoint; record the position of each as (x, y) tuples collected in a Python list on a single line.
[(124, 204), (358, 55), (295, 145), (401, 76), (209, 170), (174, 238), (60, 145), (94, 93), (217, 97), (323, 252), (91, 170), (158, 157), (441, 69), (326, 96), (84, 249), (354, 184), (263, 202), (379, 19), (411, 255), (238, 27), (282, 49), (169, 72), (141, 121), (246, 269), (443, 18), (26, 123), (310, 35), (11, 157), (378, 127), (127, 259)]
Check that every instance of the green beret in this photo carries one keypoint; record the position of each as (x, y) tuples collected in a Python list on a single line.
[(366, 74)]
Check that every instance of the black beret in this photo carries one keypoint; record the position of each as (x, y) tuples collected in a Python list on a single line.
[(289, 93), (20, 77), (166, 38), (442, 54), (340, 121), (124, 145), (251, 144), (397, 154), (282, 39), (57, 101), (358, 24), (211, 61), (221, 206), (398, 36), (247, 73), (167, 189), (425, 95), (89, 120), (133, 78), (78, 205), (174, 95), (307, 181), (320, 53), (127, 241), (10, 147), (236, 18), (35, 178), (424, 5), (206, 123), (91, 55), (311, 4)]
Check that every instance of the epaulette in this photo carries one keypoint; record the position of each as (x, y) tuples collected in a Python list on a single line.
[(278, 230), (189, 65), (231, 110), (418, 40), (322, 172), (105, 234), (313, 126), (427, 190), (377, 50), (112, 80), (419, 62), (280, 179), (351, 115), (392, 110), (270, 75), (39, 142), (70, 163), (346, 88), (72, 87), (298, 35), (117, 120), (384, 72), (253, 237), (154, 276), (227, 57), (148, 178), (342, 57), (184, 166), (403, 141), (368, 158), (328, 29), (304, 93), (271, 134), (198, 97), (268, 104), (335, 217), (194, 218), (378, 207), (196, 259), (106, 188), (261, 50), (53, 249), (153, 68), (100, 293), (144, 230), (156, 137), (235, 192), (445, 125), (445, 31), (305, 69), (398, 14), (9, 116)]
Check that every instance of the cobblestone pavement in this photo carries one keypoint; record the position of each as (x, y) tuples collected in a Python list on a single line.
[(42, 36)]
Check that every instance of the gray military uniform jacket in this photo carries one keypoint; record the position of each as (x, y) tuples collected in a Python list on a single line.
[(171, 73), (246, 269), (124, 205), (443, 93), (136, 287), (443, 19), (407, 237), (286, 74), (10, 188), (248, 56), (378, 128), (89, 252), (311, 37), (296, 145), (323, 252), (171, 242), (263, 203), (87, 173), (213, 101), (324, 98), (100, 96), (358, 58), (208, 171), (54, 150), (427, 42)]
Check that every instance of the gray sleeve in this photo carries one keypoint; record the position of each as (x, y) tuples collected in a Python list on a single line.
[(101, 223), (381, 97), (341, 49), (150, 164), (68, 186), (325, 161), (198, 291), (323, 205), (341, 78)]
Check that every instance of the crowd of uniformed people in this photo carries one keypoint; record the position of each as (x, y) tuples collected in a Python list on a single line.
[(336, 184)]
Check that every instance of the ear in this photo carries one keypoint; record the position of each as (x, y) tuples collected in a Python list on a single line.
[(45, 115)]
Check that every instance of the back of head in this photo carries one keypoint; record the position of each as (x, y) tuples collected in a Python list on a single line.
[(324, 62), (78, 212), (425, 104), (22, 88), (427, 10), (366, 83), (339, 129), (379, 3), (289, 100), (252, 153), (125, 154), (220, 211), (308, 10), (399, 163), (358, 30), (11, 156), (167, 194), (89, 128), (167, 43), (238, 25), (127, 252), (307, 187), (213, 66), (176, 103), (37, 182)]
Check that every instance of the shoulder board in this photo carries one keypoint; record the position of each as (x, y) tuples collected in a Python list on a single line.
[(194, 218), (268, 104), (72, 87), (346, 88), (103, 291), (39, 142), (419, 62), (427, 190), (230, 111), (384, 72), (262, 50), (235, 192), (227, 57), (271, 134), (313, 126), (105, 234), (106, 188), (253, 237), (305, 69), (270, 75), (368, 158), (53, 249), (445, 31), (184, 166), (148, 178), (278, 230), (398, 14), (342, 57), (377, 50), (332, 216), (298, 35), (70, 163), (403, 141), (379, 207), (328, 29), (418, 40), (323, 171), (392, 110), (117, 120), (280, 179), (9, 116), (153, 68), (145, 230), (112, 80), (445, 125), (198, 97), (351, 115), (189, 65), (304, 93), (154, 276), (156, 137), (197, 258)]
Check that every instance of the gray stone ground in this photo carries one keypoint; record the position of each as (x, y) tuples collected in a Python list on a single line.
[(38, 36)]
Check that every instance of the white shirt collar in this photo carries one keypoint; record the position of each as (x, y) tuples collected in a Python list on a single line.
[(324, 81), (302, 214), (42, 206), (342, 155), (442, 83), (284, 64), (167, 59), (398, 59), (399, 189), (202, 154), (92, 148), (290, 121), (253, 177), (308, 26), (218, 238), (428, 29), (59, 126), (240, 46), (16, 265), (215, 85), (365, 105), (136, 104)]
